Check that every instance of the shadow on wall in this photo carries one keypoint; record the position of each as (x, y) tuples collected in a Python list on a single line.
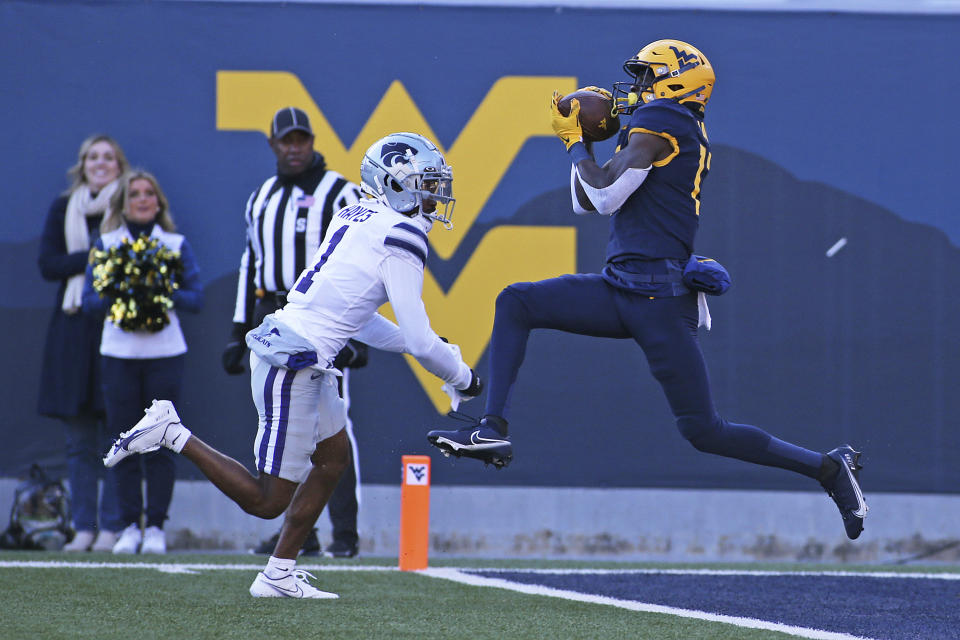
[(818, 350)]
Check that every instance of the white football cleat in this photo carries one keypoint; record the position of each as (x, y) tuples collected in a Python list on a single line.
[(160, 427), (293, 585)]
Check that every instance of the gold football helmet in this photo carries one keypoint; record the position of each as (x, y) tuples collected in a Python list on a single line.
[(665, 69)]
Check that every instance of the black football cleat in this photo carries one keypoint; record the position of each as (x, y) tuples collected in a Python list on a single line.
[(311, 546), (479, 441), (845, 490), (340, 549)]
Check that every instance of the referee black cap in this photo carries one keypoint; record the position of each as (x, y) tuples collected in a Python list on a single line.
[(289, 119)]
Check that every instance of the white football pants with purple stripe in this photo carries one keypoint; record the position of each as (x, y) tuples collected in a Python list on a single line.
[(297, 409)]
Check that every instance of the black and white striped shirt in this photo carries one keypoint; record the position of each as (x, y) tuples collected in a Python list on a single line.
[(286, 220)]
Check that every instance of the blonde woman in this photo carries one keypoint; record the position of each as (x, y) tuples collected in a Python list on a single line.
[(70, 377), (139, 365)]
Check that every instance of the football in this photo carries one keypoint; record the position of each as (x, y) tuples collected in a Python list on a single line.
[(598, 114)]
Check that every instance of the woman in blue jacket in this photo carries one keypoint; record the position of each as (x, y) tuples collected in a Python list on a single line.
[(70, 378), (140, 365)]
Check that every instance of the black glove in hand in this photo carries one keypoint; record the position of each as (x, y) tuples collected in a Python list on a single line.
[(476, 386), (235, 350), (352, 356)]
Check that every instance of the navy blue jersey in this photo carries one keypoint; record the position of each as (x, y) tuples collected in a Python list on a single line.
[(660, 219)]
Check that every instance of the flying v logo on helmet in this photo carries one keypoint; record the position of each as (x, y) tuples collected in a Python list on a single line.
[(394, 153), (682, 56)]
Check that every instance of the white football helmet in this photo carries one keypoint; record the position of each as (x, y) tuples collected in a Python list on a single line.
[(407, 172)]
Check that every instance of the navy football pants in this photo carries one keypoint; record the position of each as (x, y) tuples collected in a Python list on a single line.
[(666, 330)]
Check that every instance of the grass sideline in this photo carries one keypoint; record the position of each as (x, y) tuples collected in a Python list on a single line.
[(375, 602)]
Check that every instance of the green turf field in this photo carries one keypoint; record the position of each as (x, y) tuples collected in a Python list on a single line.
[(205, 596)]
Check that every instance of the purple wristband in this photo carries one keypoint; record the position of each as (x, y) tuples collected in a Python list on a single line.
[(578, 151)]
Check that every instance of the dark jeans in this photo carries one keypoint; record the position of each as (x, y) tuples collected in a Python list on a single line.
[(87, 441), (129, 386)]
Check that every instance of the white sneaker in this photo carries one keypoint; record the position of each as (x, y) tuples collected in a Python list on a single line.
[(105, 541), (130, 539), (294, 585), (149, 434), (154, 541), (82, 541)]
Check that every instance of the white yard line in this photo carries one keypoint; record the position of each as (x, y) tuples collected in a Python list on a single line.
[(180, 567), (460, 576), (191, 566)]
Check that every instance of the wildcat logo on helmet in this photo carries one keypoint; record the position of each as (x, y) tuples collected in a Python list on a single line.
[(394, 153), (407, 172)]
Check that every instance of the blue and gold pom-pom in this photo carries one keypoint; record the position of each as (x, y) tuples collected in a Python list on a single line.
[(139, 278)]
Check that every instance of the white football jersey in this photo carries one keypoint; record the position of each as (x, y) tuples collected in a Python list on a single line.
[(370, 255)]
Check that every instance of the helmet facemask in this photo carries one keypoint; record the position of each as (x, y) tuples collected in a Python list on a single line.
[(630, 95), (418, 181), (435, 190)]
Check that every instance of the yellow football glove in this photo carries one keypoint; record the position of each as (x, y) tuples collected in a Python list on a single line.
[(606, 94), (566, 127)]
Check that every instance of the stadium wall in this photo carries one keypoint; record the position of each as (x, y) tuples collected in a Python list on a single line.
[(815, 139), (652, 525)]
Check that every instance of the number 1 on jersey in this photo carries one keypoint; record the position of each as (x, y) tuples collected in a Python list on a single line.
[(702, 172), (703, 169), (307, 278)]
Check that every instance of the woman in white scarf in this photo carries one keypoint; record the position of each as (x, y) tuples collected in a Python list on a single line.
[(94, 185), (70, 381)]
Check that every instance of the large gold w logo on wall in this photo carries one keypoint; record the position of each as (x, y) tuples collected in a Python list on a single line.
[(512, 112)]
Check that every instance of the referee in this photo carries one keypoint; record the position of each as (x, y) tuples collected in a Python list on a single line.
[(286, 219)]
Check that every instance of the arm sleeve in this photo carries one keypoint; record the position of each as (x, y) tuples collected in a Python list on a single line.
[(382, 334), (54, 261), (577, 209), (608, 200), (189, 297), (404, 284)]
